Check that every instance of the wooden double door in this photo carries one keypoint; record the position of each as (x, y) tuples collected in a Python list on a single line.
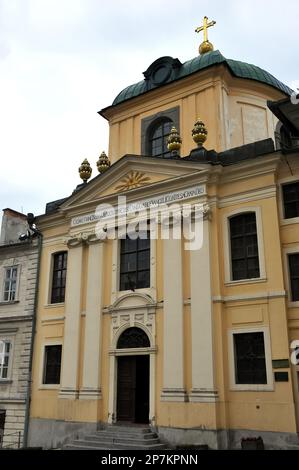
[(133, 389)]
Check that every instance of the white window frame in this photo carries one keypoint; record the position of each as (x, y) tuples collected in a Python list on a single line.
[(286, 252), (282, 182), (232, 363), (5, 269), (9, 340), (227, 246), (151, 290), (43, 386)]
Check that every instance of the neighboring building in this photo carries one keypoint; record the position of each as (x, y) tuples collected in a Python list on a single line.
[(18, 271), (196, 343)]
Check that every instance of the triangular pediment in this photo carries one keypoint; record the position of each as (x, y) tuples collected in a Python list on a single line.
[(130, 174)]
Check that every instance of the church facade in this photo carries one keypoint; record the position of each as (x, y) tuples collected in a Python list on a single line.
[(194, 342)]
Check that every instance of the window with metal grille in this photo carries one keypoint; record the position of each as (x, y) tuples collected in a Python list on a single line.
[(290, 193), (5, 349), (59, 277), (133, 338), (52, 364), (250, 361), (158, 138), (10, 284), (135, 262), (244, 246), (294, 275)]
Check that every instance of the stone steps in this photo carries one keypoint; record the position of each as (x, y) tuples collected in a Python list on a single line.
[(118, 437)]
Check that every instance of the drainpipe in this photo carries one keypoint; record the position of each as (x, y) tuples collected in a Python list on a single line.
[(28, 392)]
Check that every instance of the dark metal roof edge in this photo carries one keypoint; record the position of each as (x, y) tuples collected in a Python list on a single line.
[(213, 64), (274, 106)]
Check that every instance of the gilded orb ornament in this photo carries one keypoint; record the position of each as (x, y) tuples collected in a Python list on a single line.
[(205, 47), (103, 163), (174, 141), (199, 133), (85, 170)]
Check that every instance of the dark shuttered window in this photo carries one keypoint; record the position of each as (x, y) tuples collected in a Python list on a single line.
[(244, 246), (135, 263), (294, 275), (250, 361), (59, 277), (158, 139), (52, 364), (290, 193)]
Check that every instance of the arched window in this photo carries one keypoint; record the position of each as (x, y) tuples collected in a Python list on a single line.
[(158, 138), (155, 130), (133, 338)]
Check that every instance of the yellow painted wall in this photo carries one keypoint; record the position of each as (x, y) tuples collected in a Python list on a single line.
[(227, 106), (234, 110)]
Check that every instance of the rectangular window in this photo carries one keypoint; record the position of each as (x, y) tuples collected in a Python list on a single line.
[(294, 276), (59, 277), (52, 364), (10, 284), (290, 193), (250, 360), (244, 246), (5, 349), (135, 263)]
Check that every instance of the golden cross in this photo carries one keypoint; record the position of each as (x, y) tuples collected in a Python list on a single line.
[(205, 27)]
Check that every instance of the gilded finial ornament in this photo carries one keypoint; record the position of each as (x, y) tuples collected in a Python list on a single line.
[(206, 45), (199, 133), (103, 163), (85, 170), (174, 141)]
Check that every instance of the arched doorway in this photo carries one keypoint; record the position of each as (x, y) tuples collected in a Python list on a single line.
[(133, 378)]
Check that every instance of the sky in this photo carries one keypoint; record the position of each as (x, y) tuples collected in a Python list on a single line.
[(61, 61)]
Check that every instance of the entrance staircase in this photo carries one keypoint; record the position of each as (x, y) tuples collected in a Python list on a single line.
[(118, 437)]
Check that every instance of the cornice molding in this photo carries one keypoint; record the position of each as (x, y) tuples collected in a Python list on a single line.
[(247, 196), (250, 168), (249, 297)]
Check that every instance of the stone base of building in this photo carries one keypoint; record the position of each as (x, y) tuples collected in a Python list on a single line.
[(53, 434), (225, 439)]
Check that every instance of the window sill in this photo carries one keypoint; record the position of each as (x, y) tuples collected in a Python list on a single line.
[(293, 304), (290, 221), (49, 387), (59, 304), (9, 302), (252, 388), (238, 282), (5, 381)]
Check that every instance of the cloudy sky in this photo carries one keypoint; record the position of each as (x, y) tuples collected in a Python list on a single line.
[(61, 61)]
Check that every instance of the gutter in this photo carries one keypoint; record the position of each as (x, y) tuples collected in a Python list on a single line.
[(29, 382)]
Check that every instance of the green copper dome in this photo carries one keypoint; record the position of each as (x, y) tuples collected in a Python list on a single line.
[(166, 70)]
